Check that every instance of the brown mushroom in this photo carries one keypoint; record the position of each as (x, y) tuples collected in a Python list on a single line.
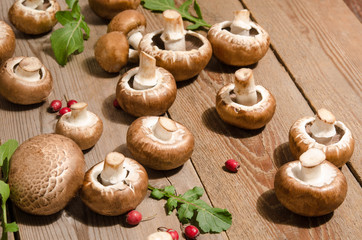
[(310, 186), (132, 23), (183, 53), (7, 42), (243, 104), (147, 89), (25, 80), (108, 9), (115, 185), (34, 16), (46, 172), (83, 126), (323, 132), (111, 51), (240, 42), (159, 143)]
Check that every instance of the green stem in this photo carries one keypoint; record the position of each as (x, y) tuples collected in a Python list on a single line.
[(4, 222)]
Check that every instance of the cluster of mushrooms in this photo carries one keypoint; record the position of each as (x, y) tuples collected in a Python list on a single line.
[(310, 186)]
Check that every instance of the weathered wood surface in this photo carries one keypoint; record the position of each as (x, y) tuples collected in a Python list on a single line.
[(248, 195), (356, 7)]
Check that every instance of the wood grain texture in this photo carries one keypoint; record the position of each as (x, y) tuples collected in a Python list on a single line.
[(319, 43), (356, 7)]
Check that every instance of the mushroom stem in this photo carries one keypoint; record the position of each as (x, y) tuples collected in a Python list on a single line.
[(79, 113), (245, 87), (311, 165), (164, 128), (34, 4), (112, 169), (134, 39), (323, 127), (29, 69), (146, 76), (173, 35), (241, 23)]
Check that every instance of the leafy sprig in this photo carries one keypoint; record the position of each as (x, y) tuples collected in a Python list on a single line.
[(163, 5), (6, 151), (65, 41), (190, 207)]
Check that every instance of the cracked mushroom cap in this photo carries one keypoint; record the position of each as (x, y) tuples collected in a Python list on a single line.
[(159, 143), (114, 186), (109, 8), (308, 132), (84, 127), (146, 90), (34, 16), (239, 48), (235, 106), (46, 172), (111, 51), (25, 80), (310, 186), (7, 42)]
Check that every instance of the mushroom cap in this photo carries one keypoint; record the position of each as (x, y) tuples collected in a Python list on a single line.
[(17, 90), (109, 8), (249, 117), (33, 21), (152, 101), (7, 42), (338, 152), (85, 135), (238, 50), (46, 172), (305, 199), (155, 153), (113, 200), (126, 21), (111, 51), (183, 65)]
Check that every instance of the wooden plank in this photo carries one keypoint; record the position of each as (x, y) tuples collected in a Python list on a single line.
[(356, 7), (319, 43)]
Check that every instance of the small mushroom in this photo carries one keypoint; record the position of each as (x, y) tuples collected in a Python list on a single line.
[(132, 23), (325, 133), (147, 89), (111, 51), (109, 8), (183, 53), (25, 80), (46, 172), (243, 104), (83, 126), (159, 236), (34, 16), (240, 42), (310, 186), (7, 42), (159, 142), (115, 185)]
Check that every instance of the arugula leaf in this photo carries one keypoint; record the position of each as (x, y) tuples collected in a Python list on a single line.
[(6, 151), (163, 5), (65, 41), (189, 205)]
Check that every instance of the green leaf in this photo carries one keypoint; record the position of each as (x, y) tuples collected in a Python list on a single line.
[(193, 194), (185, 6), (197, 9), (11, 227), (71, 3), (186, 212), (170, 190), (156, 193), (4, 192), (159, 5), (7, 149), (171, 205)]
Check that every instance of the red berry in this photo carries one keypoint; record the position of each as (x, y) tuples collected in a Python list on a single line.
[(115, 103), (232, 165), (64, 110), (191, 232), (55, 105), (173, 233), (71, 102), (133, 217)]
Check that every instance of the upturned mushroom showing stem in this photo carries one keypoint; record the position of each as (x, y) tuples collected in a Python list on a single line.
[(29, 69), (164, 128), (243, 104), (114, 186), (173, 35), (310, 186), (241, 23), (147, 89), (323, 132)]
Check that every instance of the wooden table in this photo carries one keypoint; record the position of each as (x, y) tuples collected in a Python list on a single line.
[(314, 61)]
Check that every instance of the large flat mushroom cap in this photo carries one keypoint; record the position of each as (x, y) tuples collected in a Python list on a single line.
[(109, 8), (46, 172)]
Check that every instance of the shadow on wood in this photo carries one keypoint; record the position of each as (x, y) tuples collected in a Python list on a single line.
[(282, 155), (91, 66), (114, 114), (9, 106), (269, 207)]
